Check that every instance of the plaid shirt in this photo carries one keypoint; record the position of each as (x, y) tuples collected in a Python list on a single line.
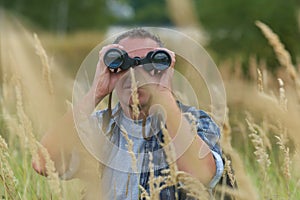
[(206, 129)]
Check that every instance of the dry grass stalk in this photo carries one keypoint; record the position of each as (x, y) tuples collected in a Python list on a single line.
[(130, 149), (156, 184), (192, 185), (33, 145), (45, 61), (260, 149), (245, 186), (228, 171), (25, 124), (244, 183), (261, 156), (286, 163), (13, 127), (143, 193), (282, 54), (173, 177), (134, 96), (52, 175), (153, 182), (170, 155), (260, 81), (282, 98), (263, 66), (169, 178), (154, 192), (263, 135), (7, 177), (286, 160)]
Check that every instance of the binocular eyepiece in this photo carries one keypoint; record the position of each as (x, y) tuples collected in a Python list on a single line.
[(116, 58)]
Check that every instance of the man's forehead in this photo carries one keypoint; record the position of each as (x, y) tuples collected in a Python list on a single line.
[(141, 44)]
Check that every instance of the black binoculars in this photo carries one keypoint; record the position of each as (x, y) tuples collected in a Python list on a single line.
[(116, 58)]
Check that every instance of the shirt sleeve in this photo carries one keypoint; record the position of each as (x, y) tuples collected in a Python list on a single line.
[(219, 169), (209, 132)]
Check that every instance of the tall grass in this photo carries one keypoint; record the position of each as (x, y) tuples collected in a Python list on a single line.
[(260, 136)]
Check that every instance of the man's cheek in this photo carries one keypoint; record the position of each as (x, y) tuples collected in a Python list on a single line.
[(143, 95)]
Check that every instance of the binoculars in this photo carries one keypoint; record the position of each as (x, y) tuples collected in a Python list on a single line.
[(116, 58)]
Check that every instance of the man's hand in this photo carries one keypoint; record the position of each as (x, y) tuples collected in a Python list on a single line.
[(157, 82), (104, 80)]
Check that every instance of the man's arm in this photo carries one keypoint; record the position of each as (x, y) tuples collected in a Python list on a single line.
[(196, 157), (63, 143), (62, 138)]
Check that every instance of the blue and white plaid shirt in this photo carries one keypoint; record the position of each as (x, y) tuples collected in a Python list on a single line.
[(124, 185)]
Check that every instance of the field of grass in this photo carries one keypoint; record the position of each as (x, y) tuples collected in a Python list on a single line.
[(260, 136)]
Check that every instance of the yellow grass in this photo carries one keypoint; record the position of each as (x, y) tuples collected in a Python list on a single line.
[(32, 100)]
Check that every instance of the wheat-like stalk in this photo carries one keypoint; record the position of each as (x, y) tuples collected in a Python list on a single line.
[(154, 192), (261, 156), (243, 181), (13, 126), (282, 98), (143, 193), (286, 162), (192, 185), (260, 81), (260, 149), (134, 96), (130, 149), (33, 145), (156, 184), (26, 125), (170, 154), (40, 51), (228, 171), (262, 134), (7, 177), (282, 54), (169, 178), (52, 175), (286, 154)]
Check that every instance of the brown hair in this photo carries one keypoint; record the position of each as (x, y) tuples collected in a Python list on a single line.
[(139, 33)]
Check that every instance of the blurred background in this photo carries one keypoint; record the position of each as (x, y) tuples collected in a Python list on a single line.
[(43, 43), (226, 28)]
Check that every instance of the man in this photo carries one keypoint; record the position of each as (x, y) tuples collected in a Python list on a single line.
[(141, 118)]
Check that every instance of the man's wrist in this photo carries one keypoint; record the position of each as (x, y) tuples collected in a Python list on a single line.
[(93, 98)]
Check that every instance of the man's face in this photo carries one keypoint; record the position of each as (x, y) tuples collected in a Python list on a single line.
[(135, 47)]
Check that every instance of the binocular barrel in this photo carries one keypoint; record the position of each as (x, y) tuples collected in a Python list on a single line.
[(116, 58)]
